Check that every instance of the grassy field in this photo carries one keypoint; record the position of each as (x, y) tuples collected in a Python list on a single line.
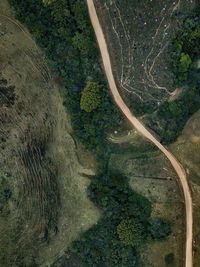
[(43, 200)]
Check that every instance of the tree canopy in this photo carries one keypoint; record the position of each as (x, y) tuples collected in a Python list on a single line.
[(159, 229), (91, 97), (130, 232)]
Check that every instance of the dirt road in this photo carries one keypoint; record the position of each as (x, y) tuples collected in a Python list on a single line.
[(139, 126)]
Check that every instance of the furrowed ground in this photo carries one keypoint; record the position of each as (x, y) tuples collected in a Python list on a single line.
[(43, 202)]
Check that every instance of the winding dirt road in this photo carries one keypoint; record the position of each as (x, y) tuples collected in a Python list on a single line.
[(139, 126)]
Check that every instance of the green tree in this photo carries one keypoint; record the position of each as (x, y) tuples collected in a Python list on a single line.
[(91, 97), (185, 62), (196, 33), (130, 232), (47, 2), (83, 43), (159, 229)]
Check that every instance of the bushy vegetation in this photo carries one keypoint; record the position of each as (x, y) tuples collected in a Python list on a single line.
[(184, 54), (140, 109), (123, 228), (130, 232), (91, 97), (159, 229)]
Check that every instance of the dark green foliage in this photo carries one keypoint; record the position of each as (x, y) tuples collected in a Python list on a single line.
[(123, 228), (91, 97), (169, 259), (130, 232), (140, 109), (159, 229), (101, 245), (7, 194), (176, 113), (112, 193), (184, 53)]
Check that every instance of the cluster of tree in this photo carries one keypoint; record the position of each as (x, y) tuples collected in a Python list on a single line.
[(7, 193), (130, 232), (91, 97), (123, 228), (184, 54)]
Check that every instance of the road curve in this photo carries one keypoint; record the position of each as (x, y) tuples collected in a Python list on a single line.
[(139, 126)]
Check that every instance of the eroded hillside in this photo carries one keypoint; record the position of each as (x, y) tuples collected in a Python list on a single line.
[(139, 33), (43, 202)]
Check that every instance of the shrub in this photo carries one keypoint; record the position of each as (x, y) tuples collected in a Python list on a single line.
[(169, 259), (91, 97), (159, 229), (130, 232), (185, 62)]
